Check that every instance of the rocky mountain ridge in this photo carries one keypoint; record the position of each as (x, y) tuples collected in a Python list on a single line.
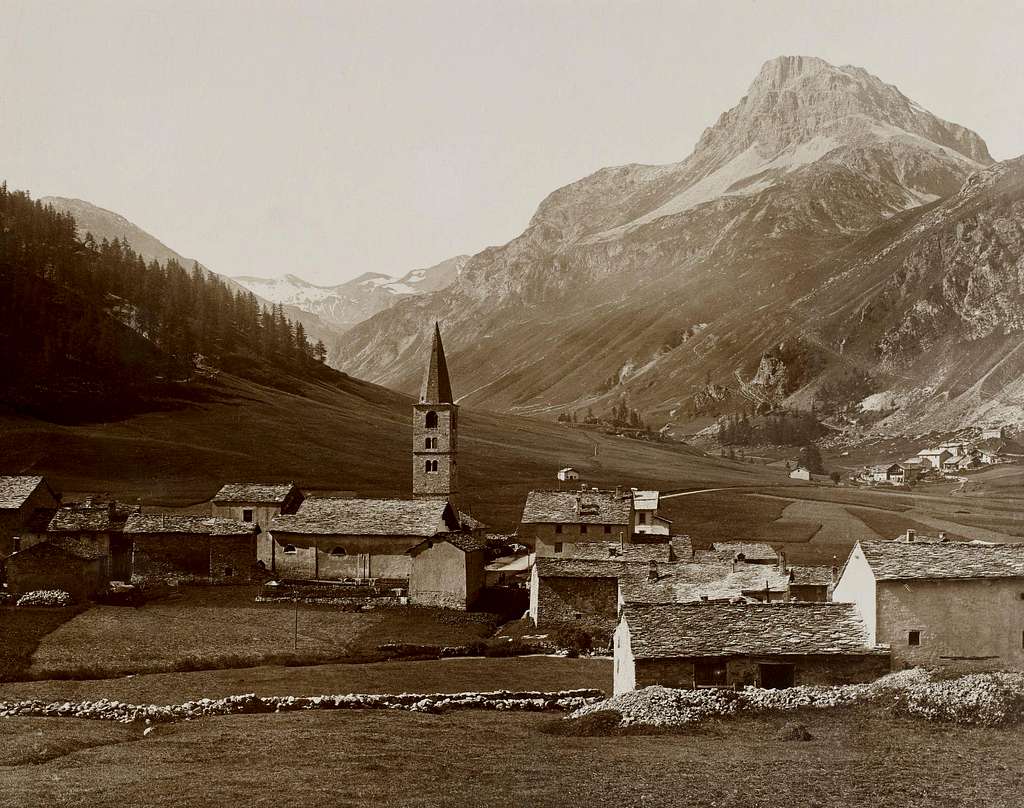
[(817, 169), (346, 304)]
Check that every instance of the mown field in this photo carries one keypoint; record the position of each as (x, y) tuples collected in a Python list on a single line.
[(857, 757), (212, 627)]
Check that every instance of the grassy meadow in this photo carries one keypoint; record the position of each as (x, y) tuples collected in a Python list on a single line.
[(856, 757)]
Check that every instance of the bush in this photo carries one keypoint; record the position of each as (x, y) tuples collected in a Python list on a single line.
[(572, 639)]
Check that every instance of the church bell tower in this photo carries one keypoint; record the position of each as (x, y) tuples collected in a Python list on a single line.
[(434, 432)]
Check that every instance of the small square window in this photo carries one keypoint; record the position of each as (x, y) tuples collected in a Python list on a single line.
[(558, 528), (228, 572), (558, 546), (913, 638), (16, 540), (583, 528), (247, 515), (607, 528)]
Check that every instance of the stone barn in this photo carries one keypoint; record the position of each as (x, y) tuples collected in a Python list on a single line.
[(22, 500), (447, 571), (940, 602), (191, 549), (98, 530), (71, 567), (258, 504), (579, 590), (336, 539), (732, 645), (555, 523)]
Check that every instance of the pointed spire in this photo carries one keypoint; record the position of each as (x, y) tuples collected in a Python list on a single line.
[(437, 388)]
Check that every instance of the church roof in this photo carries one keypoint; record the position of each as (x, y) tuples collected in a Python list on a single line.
[(15, 490), (576, 507), (437, 387), (330, 516)]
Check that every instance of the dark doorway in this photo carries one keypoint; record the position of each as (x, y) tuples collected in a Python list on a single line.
[(777, 677), (710, 673)]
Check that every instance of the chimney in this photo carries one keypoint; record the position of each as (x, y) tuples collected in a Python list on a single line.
[(942, 535), (782, 562), (835, 570), (88, 502), (911, 534), (652, 570)]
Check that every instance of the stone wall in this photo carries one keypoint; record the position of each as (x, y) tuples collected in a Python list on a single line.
[(364, 556), (957, 619), (811, 669), (543, 538), (171, 558), (233, 559), (14, 520), (438, 576), (262, 514), (591, 600), (30, 571)]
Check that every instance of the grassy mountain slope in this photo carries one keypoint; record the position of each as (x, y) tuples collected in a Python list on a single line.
[(354, 437)]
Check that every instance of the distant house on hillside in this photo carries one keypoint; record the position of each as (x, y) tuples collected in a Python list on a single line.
[(934, 457), (568, 474), (191, 549), (907, 471), (777, 645), (22, 500), (878, 474), (556, 522), (645, 514), (800, 473), (258, 504), (939, 602)]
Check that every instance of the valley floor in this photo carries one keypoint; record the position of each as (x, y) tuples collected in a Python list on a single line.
[(856, 757)]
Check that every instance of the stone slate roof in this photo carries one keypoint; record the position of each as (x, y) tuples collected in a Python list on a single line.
[(588, 568), (810, 575), (612, 550), (86, 519), (752, 551), (262, 493), (60, 548), (330, 516), (15, 490), (898, 560), (728, 629), (142, 524), (576, 507), (686, 582), (463, 541), (469, 522)]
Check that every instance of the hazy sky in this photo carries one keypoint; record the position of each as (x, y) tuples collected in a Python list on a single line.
[(329, 139)]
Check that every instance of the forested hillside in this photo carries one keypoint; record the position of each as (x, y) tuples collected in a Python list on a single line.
[(80, 315)]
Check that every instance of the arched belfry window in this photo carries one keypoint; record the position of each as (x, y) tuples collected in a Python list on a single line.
[(431, 420), (338, 551), (430, 466)]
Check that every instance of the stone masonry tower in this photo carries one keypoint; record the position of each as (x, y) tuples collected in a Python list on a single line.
[(435, 431)]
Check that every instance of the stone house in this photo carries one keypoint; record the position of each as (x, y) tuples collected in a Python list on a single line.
[(579, 590), (191, 549), (811, 583), (568, 474), (99, 530), (447, 571), (800, 473), (554, 523), (70, 566), (732, 645), (646, 521), (25, 504), (934, 457), (257, 503), (939, 602), (335, 539), (707, 581), (907, 472)]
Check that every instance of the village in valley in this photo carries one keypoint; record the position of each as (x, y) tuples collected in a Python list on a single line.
[(593, 570)]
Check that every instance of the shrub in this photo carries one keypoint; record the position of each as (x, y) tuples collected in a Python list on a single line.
[(572, 639)]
